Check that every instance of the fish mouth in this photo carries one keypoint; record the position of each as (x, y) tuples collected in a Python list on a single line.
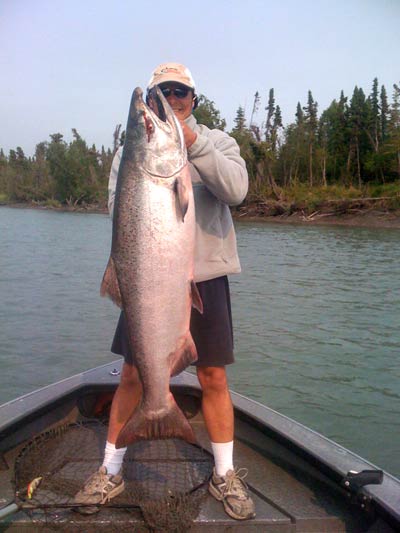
[(155, 109), (155, 102), (154, 135)]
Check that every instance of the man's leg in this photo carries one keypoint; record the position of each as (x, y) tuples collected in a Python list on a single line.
[(107, 482), (226, 484), (126, 398), (216, 403)]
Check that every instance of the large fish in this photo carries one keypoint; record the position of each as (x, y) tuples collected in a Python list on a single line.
[(150, 270)]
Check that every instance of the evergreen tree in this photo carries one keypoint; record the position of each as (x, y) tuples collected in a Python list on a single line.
[(239, 121), (270, 114), (335, 134), (359, 113), (3, 176), (292, 152), (299, 115), (384, 113), (277, 124), (392, 145), (19, 176), (323, 140), (58, 164), (395, 108), (206, 113), (311, 122), (374, 120), (265, 152), (44, 186), (256, 105)]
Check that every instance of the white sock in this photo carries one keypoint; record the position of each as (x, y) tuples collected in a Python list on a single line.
[(113, 458), (223, 457)]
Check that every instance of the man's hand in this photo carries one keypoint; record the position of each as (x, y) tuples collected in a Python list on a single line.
[(189, 135)]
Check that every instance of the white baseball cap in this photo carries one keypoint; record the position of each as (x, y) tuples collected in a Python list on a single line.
[(171, 72)]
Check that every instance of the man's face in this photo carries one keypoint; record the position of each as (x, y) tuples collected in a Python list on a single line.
[(179, 97)]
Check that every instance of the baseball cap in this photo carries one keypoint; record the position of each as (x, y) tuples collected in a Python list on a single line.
[(171, 72)]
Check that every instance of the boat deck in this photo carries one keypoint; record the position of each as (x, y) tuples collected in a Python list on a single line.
[(291, 493)]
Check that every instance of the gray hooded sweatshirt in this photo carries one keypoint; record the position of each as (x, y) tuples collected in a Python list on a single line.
[(219, 179)]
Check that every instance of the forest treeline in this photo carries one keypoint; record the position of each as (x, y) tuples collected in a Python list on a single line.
[(352, 148)]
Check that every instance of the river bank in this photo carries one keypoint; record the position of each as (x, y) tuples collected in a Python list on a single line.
[(358, 212), (363, 219), (345, 214)]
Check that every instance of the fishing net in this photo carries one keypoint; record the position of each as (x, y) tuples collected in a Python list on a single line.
[(165, 482)]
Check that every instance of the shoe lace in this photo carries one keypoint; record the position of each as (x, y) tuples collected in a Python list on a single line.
[(235, 483), (99, 482)]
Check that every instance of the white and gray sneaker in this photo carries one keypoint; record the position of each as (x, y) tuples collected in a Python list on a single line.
[(232, 490), (99, 488)]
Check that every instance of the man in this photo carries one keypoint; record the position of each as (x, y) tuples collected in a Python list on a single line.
[(219, 179)]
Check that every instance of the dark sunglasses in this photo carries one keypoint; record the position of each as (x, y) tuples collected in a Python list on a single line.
[(178, 92)]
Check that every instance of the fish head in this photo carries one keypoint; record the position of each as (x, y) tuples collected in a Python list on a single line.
[(154, 138)]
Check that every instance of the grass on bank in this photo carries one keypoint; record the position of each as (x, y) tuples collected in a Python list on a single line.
[(339, 198)]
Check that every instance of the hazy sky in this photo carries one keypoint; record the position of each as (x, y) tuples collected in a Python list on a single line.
[(73, 63)]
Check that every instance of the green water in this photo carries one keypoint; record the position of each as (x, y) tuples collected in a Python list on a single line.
[(316, 313)]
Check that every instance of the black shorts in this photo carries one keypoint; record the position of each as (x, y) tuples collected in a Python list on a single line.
[(212, 331)]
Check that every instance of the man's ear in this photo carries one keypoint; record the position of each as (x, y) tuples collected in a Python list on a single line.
[(195, 102)]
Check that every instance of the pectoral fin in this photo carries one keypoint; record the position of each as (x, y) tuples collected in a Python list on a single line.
[(183, 196), (109, 285)]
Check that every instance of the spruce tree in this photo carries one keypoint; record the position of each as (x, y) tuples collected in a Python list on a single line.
[(384, 113), (270, 113), (311, 121), (374, 119), (239, 121)]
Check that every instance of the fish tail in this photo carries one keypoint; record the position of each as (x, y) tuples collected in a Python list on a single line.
[(143, 426)]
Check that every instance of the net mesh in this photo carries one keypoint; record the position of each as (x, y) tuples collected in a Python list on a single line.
[(165, 481)]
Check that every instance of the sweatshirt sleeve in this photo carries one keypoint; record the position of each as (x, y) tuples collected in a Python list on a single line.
[(217, 159), (112, 182)]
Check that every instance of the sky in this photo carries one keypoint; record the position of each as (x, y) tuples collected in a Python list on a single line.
[(74, 63)]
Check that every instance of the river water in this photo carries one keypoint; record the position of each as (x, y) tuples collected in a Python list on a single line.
[(316, 313)]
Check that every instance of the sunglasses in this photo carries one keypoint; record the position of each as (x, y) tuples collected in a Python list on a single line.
[(178, 92)]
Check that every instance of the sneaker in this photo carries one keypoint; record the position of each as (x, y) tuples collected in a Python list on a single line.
[(99, 489), (232, 490)]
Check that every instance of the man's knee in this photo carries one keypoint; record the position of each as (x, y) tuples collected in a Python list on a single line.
[(212, 378)]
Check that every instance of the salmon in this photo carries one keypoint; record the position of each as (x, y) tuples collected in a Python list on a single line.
[(150, 270)]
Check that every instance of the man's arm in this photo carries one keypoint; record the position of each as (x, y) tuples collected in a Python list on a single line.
[(221, 168)]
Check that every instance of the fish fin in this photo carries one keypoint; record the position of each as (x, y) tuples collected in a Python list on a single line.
[(144, 425), (184, 355), (183, 196), (109, 285), (197, 302)]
